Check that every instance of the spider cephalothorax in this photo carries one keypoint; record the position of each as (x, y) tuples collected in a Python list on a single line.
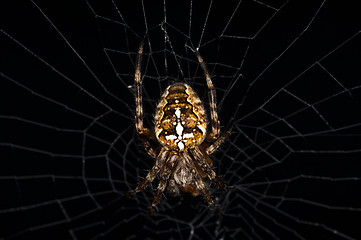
[(182, 157)]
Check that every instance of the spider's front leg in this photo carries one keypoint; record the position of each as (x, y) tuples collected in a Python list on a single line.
[(164, 176), (162, 156), (198, 182)]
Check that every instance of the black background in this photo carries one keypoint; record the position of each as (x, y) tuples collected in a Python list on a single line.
[(40, 166)]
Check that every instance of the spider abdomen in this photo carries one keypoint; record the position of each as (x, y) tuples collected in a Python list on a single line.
[(180, 120), (182, 160)]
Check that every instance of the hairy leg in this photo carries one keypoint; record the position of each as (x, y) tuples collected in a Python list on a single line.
[(198, 182), (144, 133), (164, 176), (201, 160), (145, 136), (138, 91), (201, 187), (162, 156), (215, 145), (212, 98)]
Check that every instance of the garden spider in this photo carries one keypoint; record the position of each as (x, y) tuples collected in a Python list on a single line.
[(183, 144)]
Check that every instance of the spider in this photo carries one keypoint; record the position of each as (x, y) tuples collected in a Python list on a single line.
[(180, 142)]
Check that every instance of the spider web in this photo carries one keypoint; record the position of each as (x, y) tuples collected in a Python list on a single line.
[(287, 77)]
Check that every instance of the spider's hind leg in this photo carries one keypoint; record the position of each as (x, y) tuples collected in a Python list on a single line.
[(212, 98), (215, 145), (148, 137)]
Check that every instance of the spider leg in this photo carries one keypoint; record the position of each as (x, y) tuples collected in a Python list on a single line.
[(211, 97), (138, 91), (214, 146), (172, 187), (201, 187), (200, 158), (164, 176), (206, 194), (144, 133), (162, 156), (144, 137)]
